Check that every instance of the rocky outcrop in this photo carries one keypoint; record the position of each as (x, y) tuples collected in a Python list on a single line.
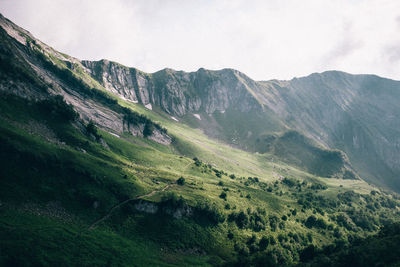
[(147, 207), (177, 212), (177, 92)]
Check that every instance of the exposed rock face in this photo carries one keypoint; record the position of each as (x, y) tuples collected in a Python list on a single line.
[(147, 207), (177, 93), (118, 79), (152, 208)]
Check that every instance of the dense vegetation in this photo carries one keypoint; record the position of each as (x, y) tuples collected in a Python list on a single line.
[(381, 249)]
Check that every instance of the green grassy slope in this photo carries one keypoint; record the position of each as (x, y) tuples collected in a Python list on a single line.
[(294, 148)]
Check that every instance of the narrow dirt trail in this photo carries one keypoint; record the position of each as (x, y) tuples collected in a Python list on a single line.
[(93, 225), (184, 168)]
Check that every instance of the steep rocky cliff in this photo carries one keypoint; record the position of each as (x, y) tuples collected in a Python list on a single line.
[(177, 92), (33, 70)]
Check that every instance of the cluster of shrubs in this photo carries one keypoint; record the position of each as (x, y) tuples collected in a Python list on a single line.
[(264, 252), (290, 182), (348, 197), (375, 201), (275, 222), (352, 219), (251, 180), (388, 203), (313, 221), (294, 183), (219, 173), (253, 245), (254, 220), (197, 162), (377, 250), (210, 212), (134, 118), (364, 221), (208, 168), (343, 220), (317, 186), (310, 200), (58, 109), (91, 129)]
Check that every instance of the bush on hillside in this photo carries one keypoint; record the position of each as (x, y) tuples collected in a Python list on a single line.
[(58, 109), (251, 220), (289, 182), (180, 181), (312, 221), (263, 244), (148, 129), (209, 212), (273, 222), (223, 195), (91, 129)]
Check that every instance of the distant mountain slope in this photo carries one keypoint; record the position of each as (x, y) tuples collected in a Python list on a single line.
[(359, 114)]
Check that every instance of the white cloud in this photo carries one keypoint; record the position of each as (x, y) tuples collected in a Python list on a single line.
[(264, 39)]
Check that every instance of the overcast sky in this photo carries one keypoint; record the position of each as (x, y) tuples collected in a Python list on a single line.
[(278, 39)]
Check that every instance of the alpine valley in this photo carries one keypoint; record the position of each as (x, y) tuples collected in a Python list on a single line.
[(106, 165)]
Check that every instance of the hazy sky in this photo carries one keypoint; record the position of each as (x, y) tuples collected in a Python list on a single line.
[(264, 39)]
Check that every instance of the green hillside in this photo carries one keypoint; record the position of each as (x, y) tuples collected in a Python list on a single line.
[(57, 181)]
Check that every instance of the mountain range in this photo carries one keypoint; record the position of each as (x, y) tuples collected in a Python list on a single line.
[(357, 114), (112, 134)]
